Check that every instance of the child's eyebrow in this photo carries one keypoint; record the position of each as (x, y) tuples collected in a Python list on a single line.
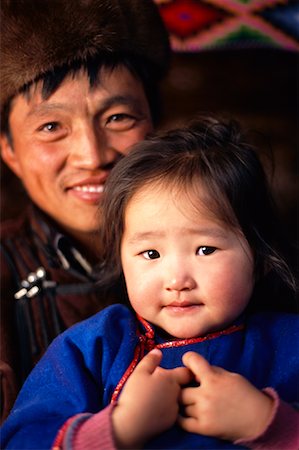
[(144, 235), (215, 232)]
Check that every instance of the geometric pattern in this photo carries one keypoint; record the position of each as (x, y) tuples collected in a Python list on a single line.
[(198, 25)]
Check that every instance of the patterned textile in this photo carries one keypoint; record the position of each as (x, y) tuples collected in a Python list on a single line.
[(196, 25)]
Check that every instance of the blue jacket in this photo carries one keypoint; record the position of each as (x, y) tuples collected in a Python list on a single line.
[(83, 366)]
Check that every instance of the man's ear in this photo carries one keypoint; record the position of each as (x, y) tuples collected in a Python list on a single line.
[(8, 155)]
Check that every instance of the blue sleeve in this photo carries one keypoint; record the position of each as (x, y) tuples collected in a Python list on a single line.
[(71, 378)]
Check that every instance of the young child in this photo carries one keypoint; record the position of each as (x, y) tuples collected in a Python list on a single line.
[(191, 363)]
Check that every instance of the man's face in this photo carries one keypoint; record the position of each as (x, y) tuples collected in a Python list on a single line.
[(64, 147)]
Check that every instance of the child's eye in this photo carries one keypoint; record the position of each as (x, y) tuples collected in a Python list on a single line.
[(151, 254), (205, 250)]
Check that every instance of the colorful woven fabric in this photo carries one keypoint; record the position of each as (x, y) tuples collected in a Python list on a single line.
[(196, 25)]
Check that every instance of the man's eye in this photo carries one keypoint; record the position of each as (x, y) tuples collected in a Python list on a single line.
[(120, 121), (116, 117), (151, 254), (205, 250), (49, 127)]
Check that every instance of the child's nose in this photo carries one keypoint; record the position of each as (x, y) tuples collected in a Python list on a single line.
[(180, 282)]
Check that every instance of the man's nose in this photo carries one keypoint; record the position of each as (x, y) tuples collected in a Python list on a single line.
[(90, 150)]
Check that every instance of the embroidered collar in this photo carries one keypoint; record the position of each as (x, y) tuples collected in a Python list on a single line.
[(148, 341)]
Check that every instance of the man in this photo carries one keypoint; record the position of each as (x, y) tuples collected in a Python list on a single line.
[(78, 88)]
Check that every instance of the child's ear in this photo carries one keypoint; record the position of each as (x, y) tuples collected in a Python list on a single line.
[(261, 270), (262, 274), (9, 156), (266, 268)]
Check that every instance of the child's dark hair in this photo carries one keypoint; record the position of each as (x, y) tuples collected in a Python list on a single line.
[(209, 153)]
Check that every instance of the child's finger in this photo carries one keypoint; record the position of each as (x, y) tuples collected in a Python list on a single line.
[(190, 411), (151, 361), (188, 424), (187, 396), (198, 365), (182, 375)]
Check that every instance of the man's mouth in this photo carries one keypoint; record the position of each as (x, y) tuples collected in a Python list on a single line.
[(90, 188), (90, 193)]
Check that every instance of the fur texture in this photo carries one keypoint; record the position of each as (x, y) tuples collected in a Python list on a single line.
[(38, 35)]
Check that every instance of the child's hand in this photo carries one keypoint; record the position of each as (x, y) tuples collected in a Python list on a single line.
[(224, 405), (148, 403)]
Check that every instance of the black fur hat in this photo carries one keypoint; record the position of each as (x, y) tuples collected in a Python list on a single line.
[(38, 35)]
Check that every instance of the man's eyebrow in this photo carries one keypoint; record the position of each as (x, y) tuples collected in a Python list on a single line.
[(43, 109), (128, 100)]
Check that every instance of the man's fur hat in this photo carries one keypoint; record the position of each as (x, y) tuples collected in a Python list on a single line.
[(38, 35)]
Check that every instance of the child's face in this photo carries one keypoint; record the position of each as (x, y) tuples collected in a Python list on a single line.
[(186, 272)]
